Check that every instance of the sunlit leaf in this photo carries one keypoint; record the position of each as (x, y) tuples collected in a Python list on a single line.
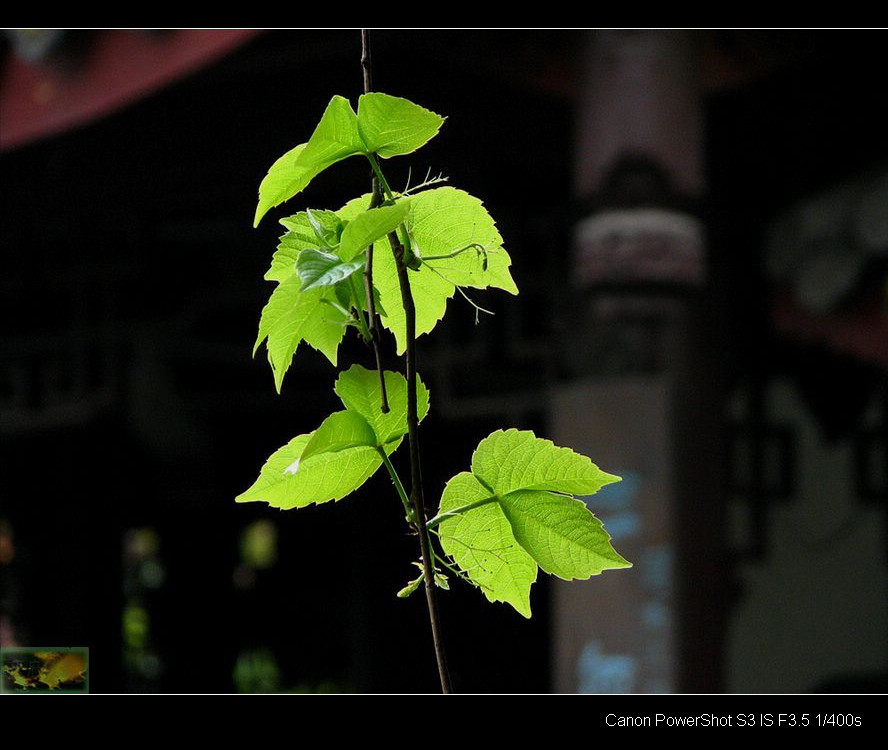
[(440, 222), (510, 460), (343, 452), (368, 227), (318, 268), (292, 316), (287, 482), (390, 125), (326, 226), (483, 545), (299, 236), (335, 138), (509, 518), (338, 432), (359, 390), (560, 534), (283, 181)]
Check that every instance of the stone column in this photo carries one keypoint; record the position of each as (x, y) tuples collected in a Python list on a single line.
[(637, 392)]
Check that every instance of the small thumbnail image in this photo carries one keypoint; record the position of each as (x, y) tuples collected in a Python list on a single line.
[(44, 670)]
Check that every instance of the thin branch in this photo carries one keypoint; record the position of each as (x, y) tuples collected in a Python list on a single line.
[(416, 493), (375, 200), (371, 310), (366, 62), (409, 259)]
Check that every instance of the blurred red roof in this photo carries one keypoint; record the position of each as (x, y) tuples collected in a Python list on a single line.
[(116, 68)]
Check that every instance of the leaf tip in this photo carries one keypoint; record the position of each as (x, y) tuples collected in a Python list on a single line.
[(257, 345), (609, 478), (523, 610)]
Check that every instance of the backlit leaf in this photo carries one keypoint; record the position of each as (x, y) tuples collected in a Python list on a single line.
[(560, 534), (299, 236), (483, 545), (285, 481), (343, 452), (335, 138), (354, 207), (359, 390), (368, 227), (292, 316), (338, 432), (283, 181), (390, 125), (318, 268), (514, 480), (510, 460), (326, 226), (441, 221)]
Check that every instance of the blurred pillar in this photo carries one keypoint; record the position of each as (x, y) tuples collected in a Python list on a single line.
[(642, 396)]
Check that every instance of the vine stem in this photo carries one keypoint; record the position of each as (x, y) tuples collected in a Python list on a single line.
[(416, 497), (366, 61), (375, 200), (399, 486), (371, 309)]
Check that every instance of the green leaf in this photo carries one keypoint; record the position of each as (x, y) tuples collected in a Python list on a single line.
[(430, 294), (508, 503), (286, 481), (343, 452), (299, 224), (338, 432), (483, 545), (355, 206), (344, 296), (410, 588), (390, 125), (446, 219), (335, 138), (276, 186), (317, 268), (441, 221), (560, 534), (300, 236), (358, 389), (510, 460), (377, 303), (368, 227), (326, 225), (292, 316)]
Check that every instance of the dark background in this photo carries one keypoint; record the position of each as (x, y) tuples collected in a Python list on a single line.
[(132, 276)]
